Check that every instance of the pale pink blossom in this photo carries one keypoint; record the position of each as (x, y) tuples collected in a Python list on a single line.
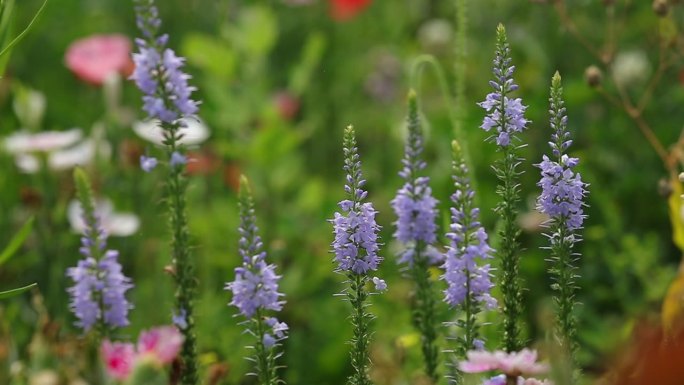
[(95, 58), (119, 358), (162, 343), (511, 364), (23, 142)]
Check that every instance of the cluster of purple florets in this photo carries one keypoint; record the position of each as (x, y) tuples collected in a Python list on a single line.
[(100, 286), (356, 232), (158, 71), (414, 204), (468, 248), (505, 114)]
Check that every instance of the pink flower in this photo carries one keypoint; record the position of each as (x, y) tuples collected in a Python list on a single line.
[(162, 343), (94, 58), (119, 358), (510, 364)]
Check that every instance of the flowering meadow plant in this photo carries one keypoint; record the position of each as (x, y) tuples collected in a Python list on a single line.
[(506, 267)]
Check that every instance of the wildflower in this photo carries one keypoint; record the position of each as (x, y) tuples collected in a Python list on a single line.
[(95, 58), (180, 319), (510, 364), (98, 294), (46, 141), (506, 116), (191, 131), (118, 358), (380, 284), (356, 252), (342, 10), (162, 343), (147, 163), (177, 159), (562, 199), (158, 346), (414, 205), (158, 71), (255, 289), (119, 224)]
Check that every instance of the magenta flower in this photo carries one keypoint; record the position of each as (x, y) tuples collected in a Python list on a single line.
[(162, 343), (510, 364), (119, 358)]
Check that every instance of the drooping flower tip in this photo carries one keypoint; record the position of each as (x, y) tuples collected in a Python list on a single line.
[(510, 364)]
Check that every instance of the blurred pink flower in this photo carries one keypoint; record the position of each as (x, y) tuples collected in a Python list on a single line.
[(510, 364), (46, 141), (94, 58), (162, 343), (119, 358)]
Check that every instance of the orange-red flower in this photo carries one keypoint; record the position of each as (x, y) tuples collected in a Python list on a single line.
[(341, 10)]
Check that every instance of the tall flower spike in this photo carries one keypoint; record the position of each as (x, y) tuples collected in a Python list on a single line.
[(356, 253), (562, 198), (506, 116), (158, 71), (356, 233), (167, 97), (255, 291), (415, 208), (468, 279), (98, 297)]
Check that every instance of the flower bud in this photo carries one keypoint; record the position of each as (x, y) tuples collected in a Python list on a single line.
[(593, 76), (661, 7)]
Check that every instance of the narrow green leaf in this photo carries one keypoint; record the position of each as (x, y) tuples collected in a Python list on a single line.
[(15, 292), (16, 241), (25, 31)]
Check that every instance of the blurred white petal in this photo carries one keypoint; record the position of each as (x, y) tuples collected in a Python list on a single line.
[(23, 142), (27, 164), (79, 155), (114, 224), (194, 132)]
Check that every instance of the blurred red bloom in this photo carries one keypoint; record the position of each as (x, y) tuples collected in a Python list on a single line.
[(92, 59), (346, 9)]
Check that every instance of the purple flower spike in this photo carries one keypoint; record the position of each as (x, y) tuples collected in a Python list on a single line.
[(99, 291), (356, 232), (468, 246), (256, 283), (505, 114), (414, 204), (158, 71)]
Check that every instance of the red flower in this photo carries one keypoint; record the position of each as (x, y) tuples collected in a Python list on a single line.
[(97, 56), (346, 9)]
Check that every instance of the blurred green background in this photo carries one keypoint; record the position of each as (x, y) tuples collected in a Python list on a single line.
[(278, 83)]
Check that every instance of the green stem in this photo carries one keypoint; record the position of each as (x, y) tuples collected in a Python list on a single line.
[(424, 311), (264, 357), (564, 276), (509, 250), (455, 117), (359, 354), (183, 267)]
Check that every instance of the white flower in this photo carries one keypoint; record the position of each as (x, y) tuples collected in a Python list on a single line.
[(23, 142), (115, 224), (193, 129)]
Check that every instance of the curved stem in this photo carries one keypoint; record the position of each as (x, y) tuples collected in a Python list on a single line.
[(417, 68)]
